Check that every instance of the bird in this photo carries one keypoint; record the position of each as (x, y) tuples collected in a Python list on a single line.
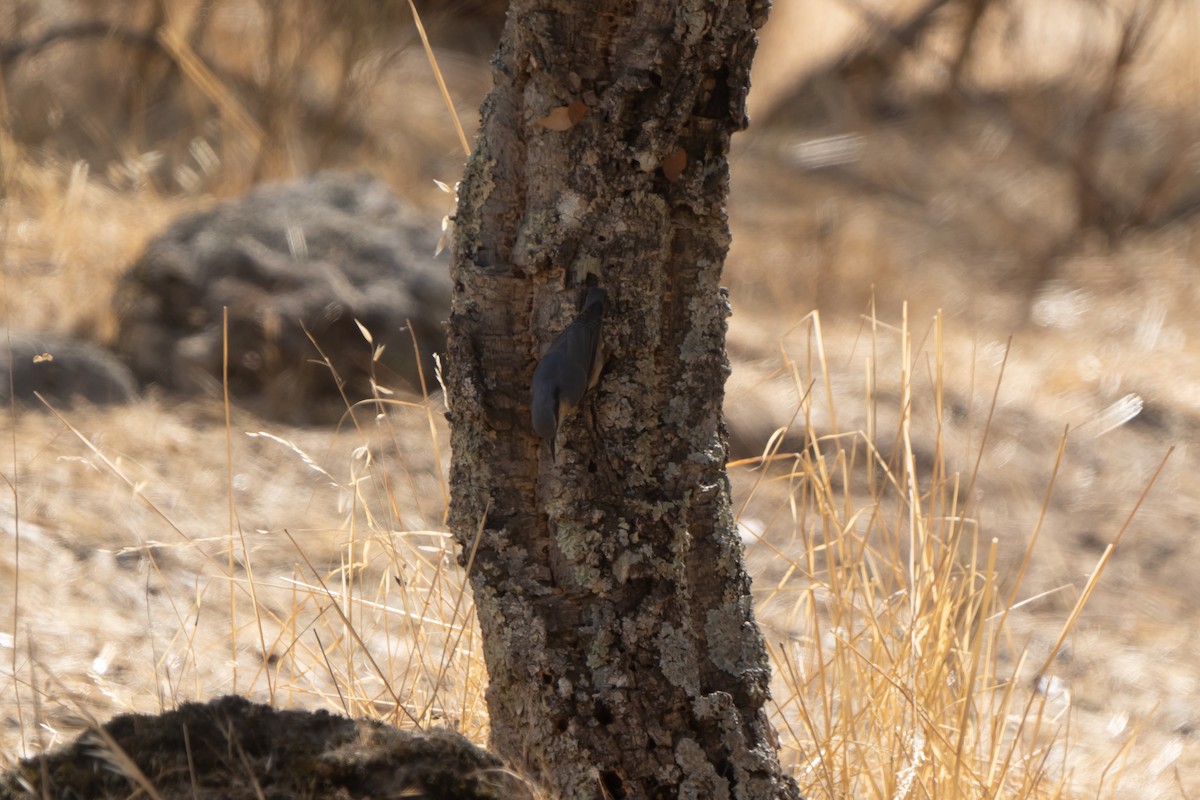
[(569, 369)]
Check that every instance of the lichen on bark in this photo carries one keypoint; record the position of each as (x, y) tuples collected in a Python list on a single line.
[(612, 595)]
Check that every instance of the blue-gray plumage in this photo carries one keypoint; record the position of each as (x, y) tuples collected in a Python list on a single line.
[(570, 367)]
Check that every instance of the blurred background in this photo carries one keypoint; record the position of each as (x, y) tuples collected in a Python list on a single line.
[(1015, 183)]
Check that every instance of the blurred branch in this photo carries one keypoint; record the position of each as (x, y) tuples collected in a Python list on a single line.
[(906, 35), (10, 52), (1104, 210), (1100, 204), (879, 57), (975, 11), (204, 78)]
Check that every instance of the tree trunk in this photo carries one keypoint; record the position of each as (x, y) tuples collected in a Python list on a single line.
[(609, 581)]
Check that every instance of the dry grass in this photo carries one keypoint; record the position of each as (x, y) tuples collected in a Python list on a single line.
[(925, 626), (216, 577), (902, 675), (898, 672)]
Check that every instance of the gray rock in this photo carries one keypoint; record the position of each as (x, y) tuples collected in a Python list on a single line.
[(232, 749), (62, 370), (312, 255)]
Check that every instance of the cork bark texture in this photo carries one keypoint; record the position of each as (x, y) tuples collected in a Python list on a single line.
[(618, 630)]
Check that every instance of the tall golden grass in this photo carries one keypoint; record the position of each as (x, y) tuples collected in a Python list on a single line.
[(897, 674), (901, 676)]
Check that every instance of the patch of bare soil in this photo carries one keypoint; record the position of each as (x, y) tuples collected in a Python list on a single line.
[(231, 748)]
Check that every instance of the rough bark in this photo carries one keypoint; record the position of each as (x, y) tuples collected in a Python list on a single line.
[(610, 585)]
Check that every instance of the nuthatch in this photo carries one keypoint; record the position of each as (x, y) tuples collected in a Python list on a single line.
[(570, 367)]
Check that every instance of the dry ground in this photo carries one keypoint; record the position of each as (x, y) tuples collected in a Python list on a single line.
[(164, 555)]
